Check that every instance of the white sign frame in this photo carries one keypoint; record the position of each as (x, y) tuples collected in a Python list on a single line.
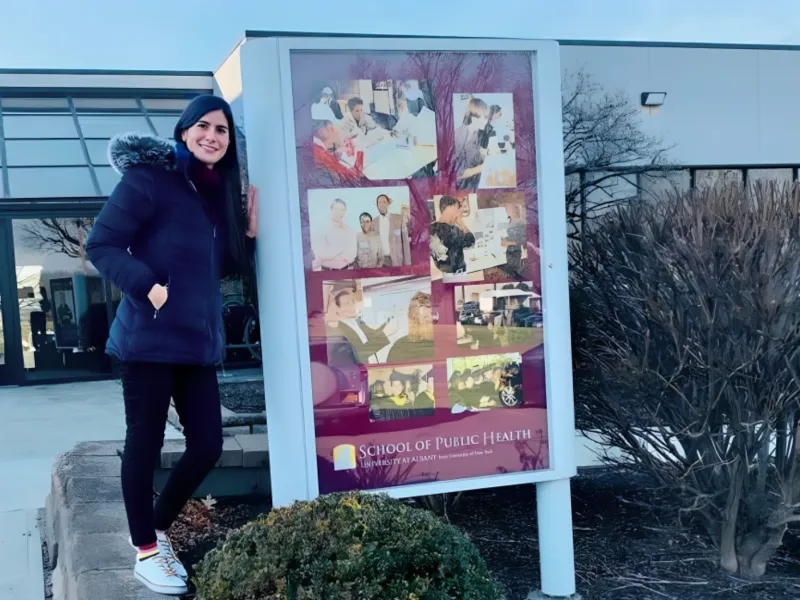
[(272, 160)]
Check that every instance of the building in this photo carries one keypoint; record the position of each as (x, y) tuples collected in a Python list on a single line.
[(728, 114)]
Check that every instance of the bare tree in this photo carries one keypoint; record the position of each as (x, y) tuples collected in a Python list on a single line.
[(687, 338), (604, 145), (59, 235)]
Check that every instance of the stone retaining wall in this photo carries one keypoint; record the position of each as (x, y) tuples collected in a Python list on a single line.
[(86, 529)]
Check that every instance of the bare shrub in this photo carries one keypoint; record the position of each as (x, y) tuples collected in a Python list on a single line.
[(686, 321)]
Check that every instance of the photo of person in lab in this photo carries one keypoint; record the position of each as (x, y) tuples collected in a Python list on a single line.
[(484, 141), (359, 228), (497, 223), (497, 315), (449, 236), (382, 319), (401, 392), (376, 129)]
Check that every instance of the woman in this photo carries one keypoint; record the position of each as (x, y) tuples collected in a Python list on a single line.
[(495, 114), (418, 344), (450, 236), (171, 229), (469, 153)]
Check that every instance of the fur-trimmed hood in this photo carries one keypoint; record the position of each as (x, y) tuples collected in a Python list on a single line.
[(128, 150)]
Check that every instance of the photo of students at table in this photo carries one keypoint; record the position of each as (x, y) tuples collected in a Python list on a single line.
[(380, 130), (401, 393)]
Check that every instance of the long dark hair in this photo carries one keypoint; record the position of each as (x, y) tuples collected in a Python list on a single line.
[(230, 170)]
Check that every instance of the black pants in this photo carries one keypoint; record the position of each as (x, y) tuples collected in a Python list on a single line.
[(147, 389)]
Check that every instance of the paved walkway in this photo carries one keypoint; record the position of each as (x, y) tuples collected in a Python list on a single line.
[(37, 424), (21, 576)]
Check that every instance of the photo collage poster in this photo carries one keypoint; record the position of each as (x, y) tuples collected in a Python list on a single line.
[(421, 249)]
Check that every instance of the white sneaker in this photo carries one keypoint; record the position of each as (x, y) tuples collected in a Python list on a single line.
[(157, 574), (166, 549)]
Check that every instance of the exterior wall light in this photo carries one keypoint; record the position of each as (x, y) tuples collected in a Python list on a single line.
[(653, 98)]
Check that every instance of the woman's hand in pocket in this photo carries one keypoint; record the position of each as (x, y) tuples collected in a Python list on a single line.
[(158, 296)]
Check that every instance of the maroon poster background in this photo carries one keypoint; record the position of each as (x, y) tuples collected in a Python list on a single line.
[(443, 445)]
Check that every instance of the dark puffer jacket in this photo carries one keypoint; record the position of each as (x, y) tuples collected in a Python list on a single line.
[(155, 228)]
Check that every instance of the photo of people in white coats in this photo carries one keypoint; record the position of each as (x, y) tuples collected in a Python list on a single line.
[(376, 129)]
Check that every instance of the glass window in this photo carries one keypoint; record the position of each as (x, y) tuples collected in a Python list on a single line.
[(22, 104), (106, 126), (108, 178), (165, 103), (164, 124), (657, 184), (776, 175), (22, 153), (54, 182), (711, 177), (39, 126), (106, 104), (63, 304), (608, 190), (98, 151)]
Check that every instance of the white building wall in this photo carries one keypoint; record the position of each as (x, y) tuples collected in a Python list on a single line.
[(724, 106)]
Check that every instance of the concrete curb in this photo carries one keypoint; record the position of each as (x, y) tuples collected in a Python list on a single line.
[(85, 527)]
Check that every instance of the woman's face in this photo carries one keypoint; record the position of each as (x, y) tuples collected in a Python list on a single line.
[(470, 382), (209, 138), (425, 314), (465, 208), (479, 122), (397, 388)]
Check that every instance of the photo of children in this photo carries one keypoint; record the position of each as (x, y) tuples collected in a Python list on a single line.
[(484, 141), (380, 130), (479, 383), (401, 392), (498, 315), (359, 228), (472, 235), (381, 319)]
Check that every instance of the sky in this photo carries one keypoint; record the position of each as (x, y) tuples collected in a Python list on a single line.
[(199, 34)]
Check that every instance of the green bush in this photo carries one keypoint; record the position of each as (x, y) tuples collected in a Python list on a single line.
[(346, 547)]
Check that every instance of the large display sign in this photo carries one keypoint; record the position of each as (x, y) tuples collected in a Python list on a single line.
[(418, 211)]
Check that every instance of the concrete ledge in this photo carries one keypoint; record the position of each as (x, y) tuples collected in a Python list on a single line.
[(172, 451), (85, 526)]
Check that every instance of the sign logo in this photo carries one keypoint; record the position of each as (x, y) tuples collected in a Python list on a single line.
[(344, 457)]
